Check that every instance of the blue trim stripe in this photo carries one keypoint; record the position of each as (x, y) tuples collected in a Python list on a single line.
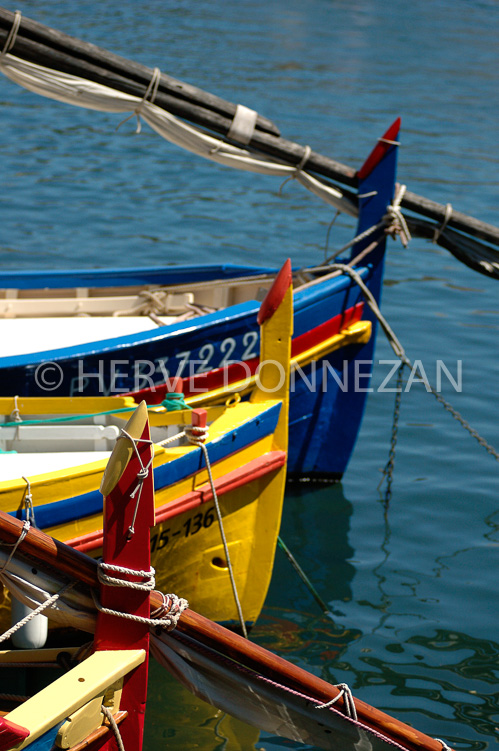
[(46, 742), (89, 504), (166, 275)]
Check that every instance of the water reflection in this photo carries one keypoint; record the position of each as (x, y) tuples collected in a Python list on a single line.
[(443, 683), (315, 526)]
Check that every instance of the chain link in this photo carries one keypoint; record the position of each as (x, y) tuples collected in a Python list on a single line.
[(390, 465)]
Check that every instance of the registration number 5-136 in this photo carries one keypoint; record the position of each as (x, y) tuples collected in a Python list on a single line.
[(191, 526)]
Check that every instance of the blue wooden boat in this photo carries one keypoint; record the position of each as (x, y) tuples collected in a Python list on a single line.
[(102, 332)]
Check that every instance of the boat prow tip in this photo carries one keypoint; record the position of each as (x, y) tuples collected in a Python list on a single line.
[(384, 144), (276, 293), (123, 450)]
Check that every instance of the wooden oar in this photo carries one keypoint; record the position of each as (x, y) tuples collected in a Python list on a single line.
[(40, 548), (36, 42), (46, 46)]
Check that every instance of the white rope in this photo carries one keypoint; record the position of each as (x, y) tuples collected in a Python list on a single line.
[(394, 222), (166, 615), (395, 219), (80, 92), (168, 618), (151, 89), (114, 726), (447, 216), (11, 38), (445, 747), (15, 415), (47, 604), (145, 586), (197, 436), (298, 169), (348, 701), (172, 438), (28, 503)]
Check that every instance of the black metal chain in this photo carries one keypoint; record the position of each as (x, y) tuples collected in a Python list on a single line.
[(390, 465)]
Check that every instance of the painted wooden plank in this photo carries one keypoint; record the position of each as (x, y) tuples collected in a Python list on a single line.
[(64, 696)]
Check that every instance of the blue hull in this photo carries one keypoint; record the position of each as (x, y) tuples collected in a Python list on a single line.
[(328, 397)]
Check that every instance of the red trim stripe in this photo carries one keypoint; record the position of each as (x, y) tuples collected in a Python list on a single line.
[(233, 480), (214, 379), (326, 330)]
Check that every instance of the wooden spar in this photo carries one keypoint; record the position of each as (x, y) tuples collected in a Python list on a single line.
[(56, 60), (40, 43), (281, 671), (80, 53), (39, 547)]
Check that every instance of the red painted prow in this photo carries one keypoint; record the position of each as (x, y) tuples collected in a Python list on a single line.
[(379, 151), (128, 516), (275, 295), (11, 735)]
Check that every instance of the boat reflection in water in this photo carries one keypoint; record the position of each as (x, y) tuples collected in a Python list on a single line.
[(291, 624)]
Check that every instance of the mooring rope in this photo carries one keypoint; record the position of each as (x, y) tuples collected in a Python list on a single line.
[(197, 436), (114, 726), (400, 352)]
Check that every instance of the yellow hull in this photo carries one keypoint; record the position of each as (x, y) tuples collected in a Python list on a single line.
[(247, 447), (186, 545)]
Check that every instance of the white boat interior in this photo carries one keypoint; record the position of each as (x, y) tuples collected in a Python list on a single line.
[(34, 446), (84, 314), (20, 336)]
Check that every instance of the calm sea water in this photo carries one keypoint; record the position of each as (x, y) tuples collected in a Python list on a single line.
[(412, 584)]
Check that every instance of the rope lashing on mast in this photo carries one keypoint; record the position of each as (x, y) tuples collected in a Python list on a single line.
[(167, 616)]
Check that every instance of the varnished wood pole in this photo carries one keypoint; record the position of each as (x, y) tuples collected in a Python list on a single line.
[(40, 548)]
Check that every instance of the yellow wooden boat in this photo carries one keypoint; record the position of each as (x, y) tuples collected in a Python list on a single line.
[(54, 475), (98, 691)]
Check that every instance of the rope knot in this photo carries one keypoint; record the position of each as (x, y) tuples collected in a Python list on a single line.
[(396, 224), (348, 701), (197, 435), (168, 613), (445, 221)]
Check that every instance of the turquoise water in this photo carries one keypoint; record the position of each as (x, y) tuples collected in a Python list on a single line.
[(412, 584)]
